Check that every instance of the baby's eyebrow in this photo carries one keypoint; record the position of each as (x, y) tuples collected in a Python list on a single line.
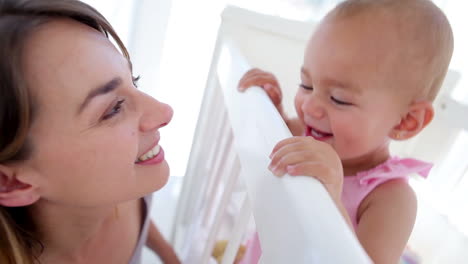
[(305, 72), (103, 89), (342, 85), (334, 83)]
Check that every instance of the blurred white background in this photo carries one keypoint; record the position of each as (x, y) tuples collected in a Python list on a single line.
[(171, 44)]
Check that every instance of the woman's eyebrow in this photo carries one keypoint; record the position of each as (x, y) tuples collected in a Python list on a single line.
[(103, 89)]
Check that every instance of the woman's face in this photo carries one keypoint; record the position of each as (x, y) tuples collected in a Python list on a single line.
[(92, 124)]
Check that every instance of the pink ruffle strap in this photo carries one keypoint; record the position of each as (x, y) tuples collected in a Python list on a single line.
[(395, 167)]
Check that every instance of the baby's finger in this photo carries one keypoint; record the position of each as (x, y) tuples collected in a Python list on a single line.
[(274, 93), (256, 77), (289, 141), (279, 167), (298, 146), (315, 169), (257, 80), (248, 75)]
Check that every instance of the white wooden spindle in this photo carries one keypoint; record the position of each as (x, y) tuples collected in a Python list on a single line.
[(237, 232), (232, 173)]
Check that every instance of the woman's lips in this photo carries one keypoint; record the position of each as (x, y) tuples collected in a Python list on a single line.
[(158, 158), (153, 156)]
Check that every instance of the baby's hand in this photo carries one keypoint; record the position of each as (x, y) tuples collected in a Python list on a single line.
[(266, 80), (309, 157)]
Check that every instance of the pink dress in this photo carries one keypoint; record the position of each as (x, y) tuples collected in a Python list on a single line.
[(355, 189)]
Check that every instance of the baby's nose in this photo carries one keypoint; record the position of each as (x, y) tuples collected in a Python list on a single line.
[(313, 107)]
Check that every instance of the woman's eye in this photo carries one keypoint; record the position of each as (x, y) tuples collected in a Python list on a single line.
[(135, 80), (339, 102), (117, 108), (305, 87)]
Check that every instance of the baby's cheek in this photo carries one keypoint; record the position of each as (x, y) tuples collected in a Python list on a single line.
[(347, 146), (298, 100)]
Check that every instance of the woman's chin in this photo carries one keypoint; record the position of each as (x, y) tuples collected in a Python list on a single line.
[(159, 181)]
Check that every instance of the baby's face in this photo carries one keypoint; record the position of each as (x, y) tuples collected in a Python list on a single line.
[(348, 96)]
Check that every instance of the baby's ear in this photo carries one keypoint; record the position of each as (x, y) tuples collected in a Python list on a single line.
[(419, 115), (15, 190)]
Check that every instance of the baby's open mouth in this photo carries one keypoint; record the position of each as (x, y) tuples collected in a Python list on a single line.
[(317, 134)]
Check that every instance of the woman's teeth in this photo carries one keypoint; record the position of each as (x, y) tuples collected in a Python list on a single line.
[(150, 154)]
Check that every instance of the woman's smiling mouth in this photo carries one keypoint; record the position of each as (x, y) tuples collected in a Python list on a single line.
[(153, 156)]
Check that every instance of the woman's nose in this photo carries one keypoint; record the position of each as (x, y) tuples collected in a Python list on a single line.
[(313, 107), (155, 114)]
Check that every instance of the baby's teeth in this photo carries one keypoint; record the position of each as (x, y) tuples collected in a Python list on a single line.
[(316, 133)]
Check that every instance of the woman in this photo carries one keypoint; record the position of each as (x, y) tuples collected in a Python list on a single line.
[(79, 147)]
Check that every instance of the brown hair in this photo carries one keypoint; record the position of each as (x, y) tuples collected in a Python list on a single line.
[(424, 29), (18, 20)]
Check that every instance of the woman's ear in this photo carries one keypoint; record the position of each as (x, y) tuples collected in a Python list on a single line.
[(15, 188), (420, 114)]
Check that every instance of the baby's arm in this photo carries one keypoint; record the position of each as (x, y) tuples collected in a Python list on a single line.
[(269, 83), (386, 218), (160, 246), (387, 214)]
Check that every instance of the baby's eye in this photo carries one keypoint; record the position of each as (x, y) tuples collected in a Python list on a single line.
[(339, 102), (305, 87), (117, 108)]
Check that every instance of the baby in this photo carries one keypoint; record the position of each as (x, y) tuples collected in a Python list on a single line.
[(371, 71)]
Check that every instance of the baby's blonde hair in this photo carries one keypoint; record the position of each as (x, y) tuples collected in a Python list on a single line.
[(424, 30)]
